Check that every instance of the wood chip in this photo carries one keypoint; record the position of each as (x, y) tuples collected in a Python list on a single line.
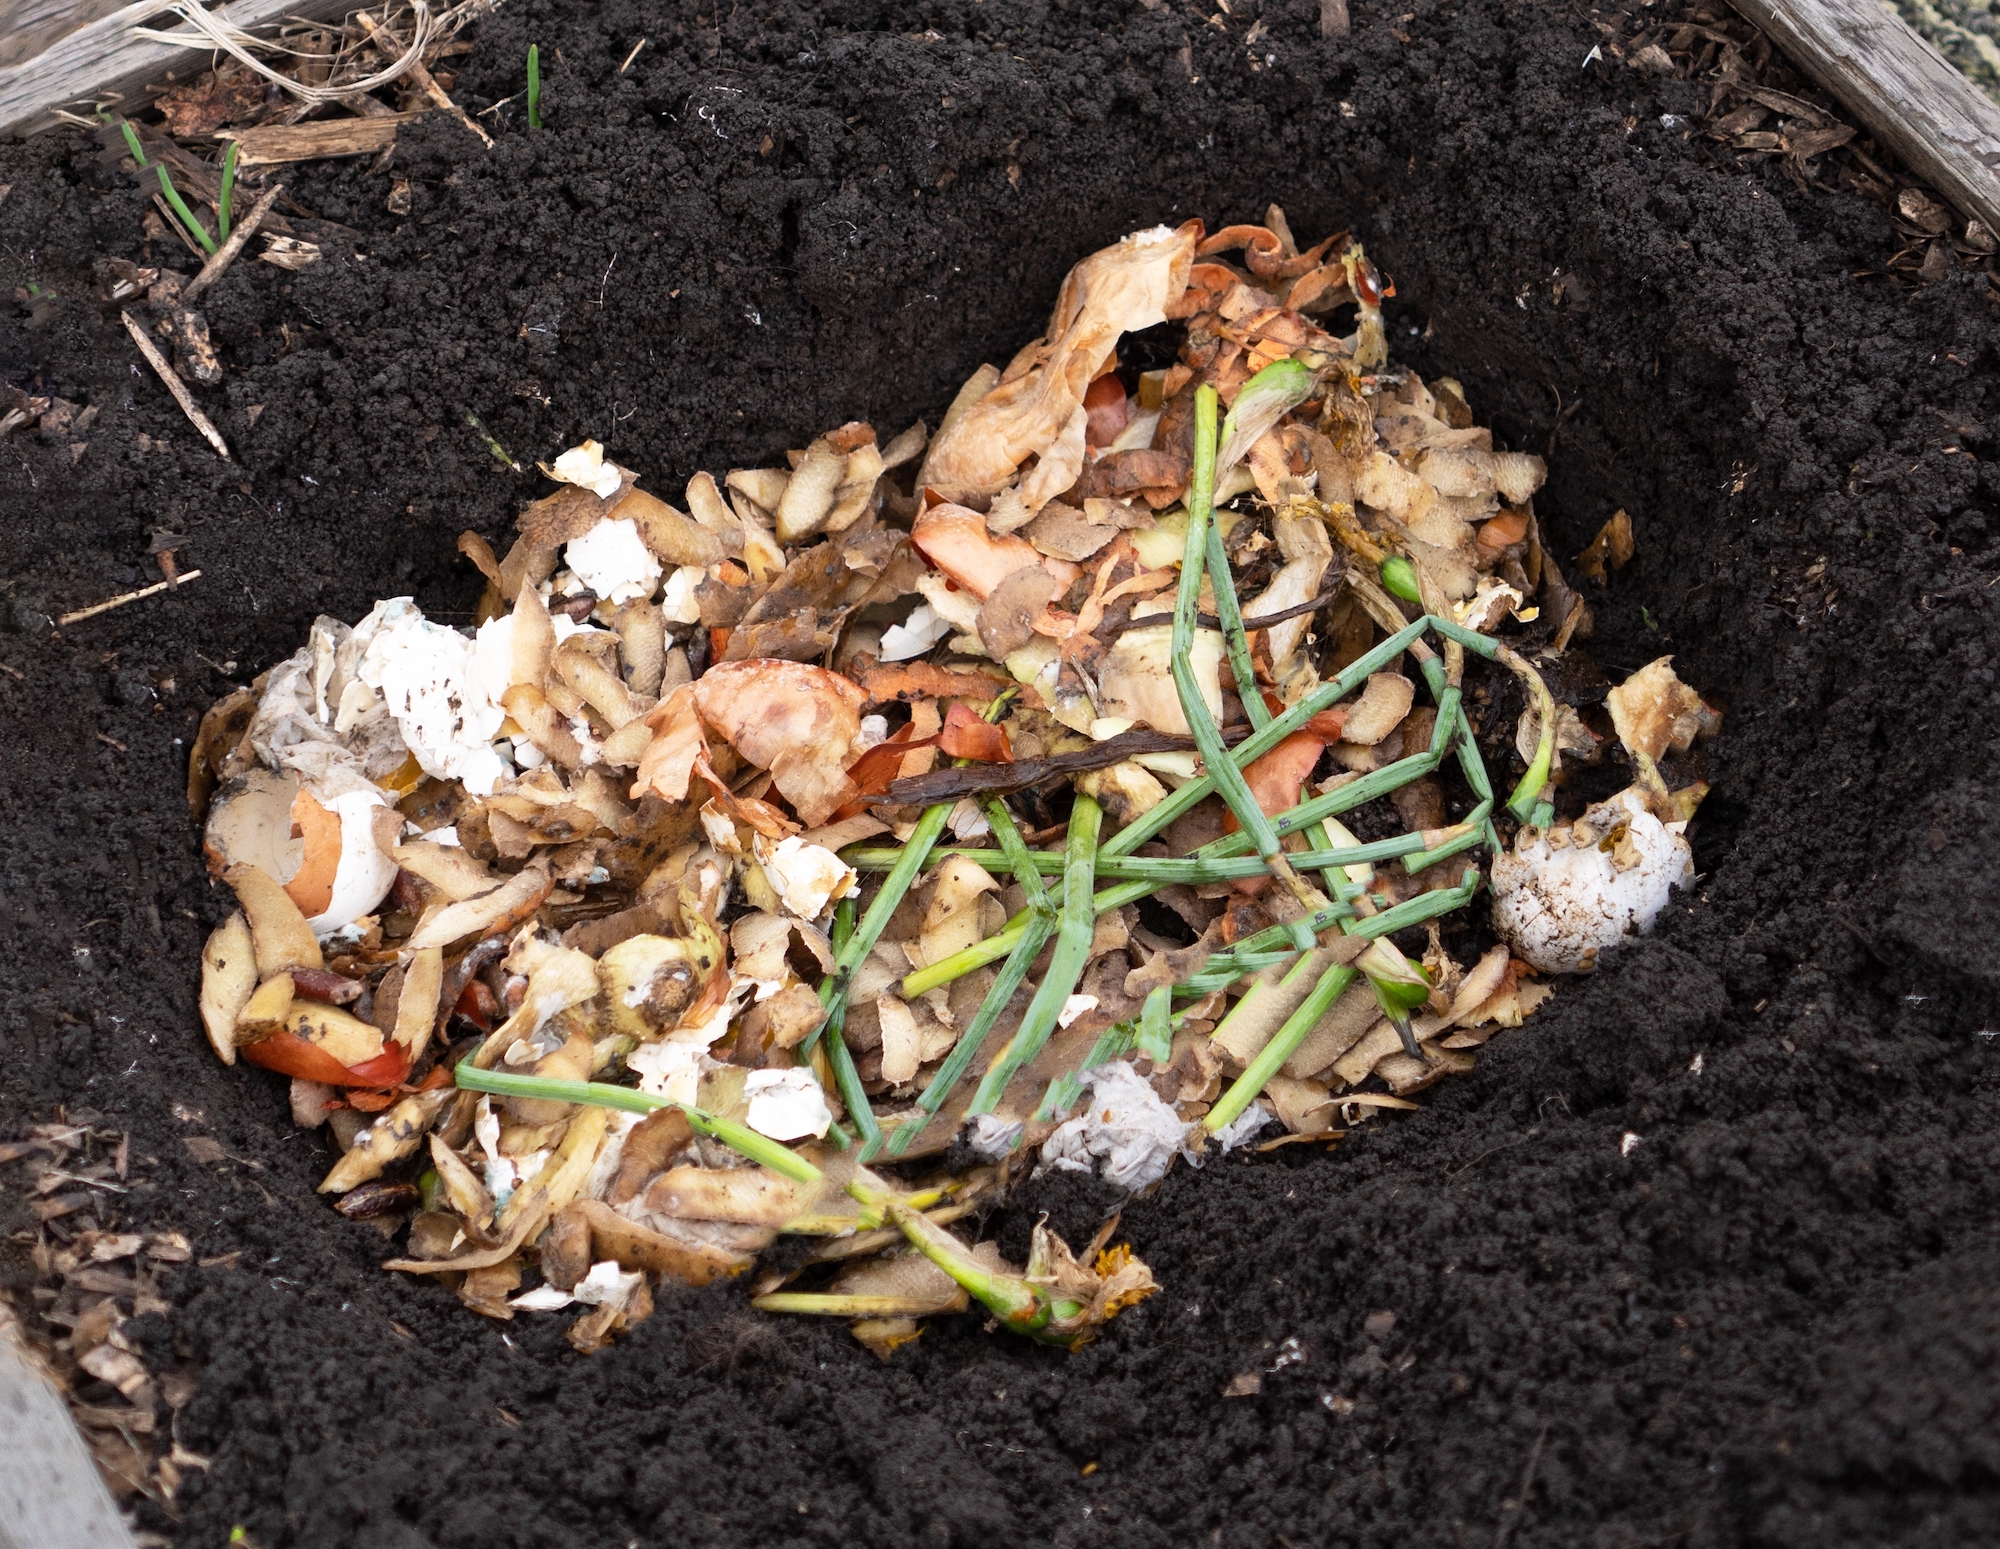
[(175, 385), (320, 140)]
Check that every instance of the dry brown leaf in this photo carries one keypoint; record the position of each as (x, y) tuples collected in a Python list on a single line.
[(1120, 289), (1611, 547), (1653, 711)]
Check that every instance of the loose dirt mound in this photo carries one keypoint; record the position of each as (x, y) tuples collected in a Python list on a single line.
[(1699, 1256)]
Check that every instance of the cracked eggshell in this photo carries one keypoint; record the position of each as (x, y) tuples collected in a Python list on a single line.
[(585, 466), (806, 877), (924, 628), (786, 1104), (426, 676), (1559, 907), (320, 849), (613, 561)]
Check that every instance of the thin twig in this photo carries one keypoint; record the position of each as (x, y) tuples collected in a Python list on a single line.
[(386, 41), (239, 234), (119, 601), (112, 742), (1521, 1496), (176, 386), (174, 225), (631, 56)]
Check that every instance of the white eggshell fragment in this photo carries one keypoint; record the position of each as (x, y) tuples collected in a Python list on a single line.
[(806, 877), (425, 673), (363, 875), (1564, 896), (585, 466), (613, 561), (786, 1104), (320, 848)]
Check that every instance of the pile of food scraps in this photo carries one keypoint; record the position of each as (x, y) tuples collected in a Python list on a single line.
[(808, 859)]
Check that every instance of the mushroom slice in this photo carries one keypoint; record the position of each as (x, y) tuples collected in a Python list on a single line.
[(228, 980)]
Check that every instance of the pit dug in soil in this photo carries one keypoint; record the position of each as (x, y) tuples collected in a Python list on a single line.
[(1703, 1252)]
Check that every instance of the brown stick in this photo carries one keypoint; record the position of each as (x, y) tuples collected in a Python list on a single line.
[(392, 49), (176, 386), (320, 140), (1900, 87), (226, 254)]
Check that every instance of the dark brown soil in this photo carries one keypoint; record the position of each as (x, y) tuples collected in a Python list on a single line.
[(1773, 1322)]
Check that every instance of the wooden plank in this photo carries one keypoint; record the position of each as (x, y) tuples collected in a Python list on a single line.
[(1907, 94), (316, 140), (104, 62), (51, 1496)]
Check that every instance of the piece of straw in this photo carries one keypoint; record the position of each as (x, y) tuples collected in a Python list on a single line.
[(175, 385), (225, 255)]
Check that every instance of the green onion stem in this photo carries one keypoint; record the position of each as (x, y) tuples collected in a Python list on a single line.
[(840, 1058), (1073, 935), (1215, 756), (738, 1137), (1196, 870), (1019, 859), (1026, 948), (226, 196), (1529, 791), (1342, 799), (132, 140), (909, 861), (1020, 1305), (186, 216), (534, 86), (1283, 1045), (1258, 743), (1156, 1028)]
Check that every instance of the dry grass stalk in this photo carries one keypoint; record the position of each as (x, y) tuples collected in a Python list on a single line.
[(176, 386)]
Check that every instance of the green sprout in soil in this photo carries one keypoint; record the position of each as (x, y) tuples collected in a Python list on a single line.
[(534, 86), (223, 199), (499, 452), (196, 232)]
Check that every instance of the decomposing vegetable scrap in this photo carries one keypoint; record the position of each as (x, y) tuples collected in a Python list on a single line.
[(705, 890)]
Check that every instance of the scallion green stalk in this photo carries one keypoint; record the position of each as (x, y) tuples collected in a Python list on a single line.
[(226, 196), (1073, 934), (1283, 1045), (778, 1157)]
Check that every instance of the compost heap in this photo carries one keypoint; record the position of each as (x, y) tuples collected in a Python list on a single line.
[(745, 849)]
